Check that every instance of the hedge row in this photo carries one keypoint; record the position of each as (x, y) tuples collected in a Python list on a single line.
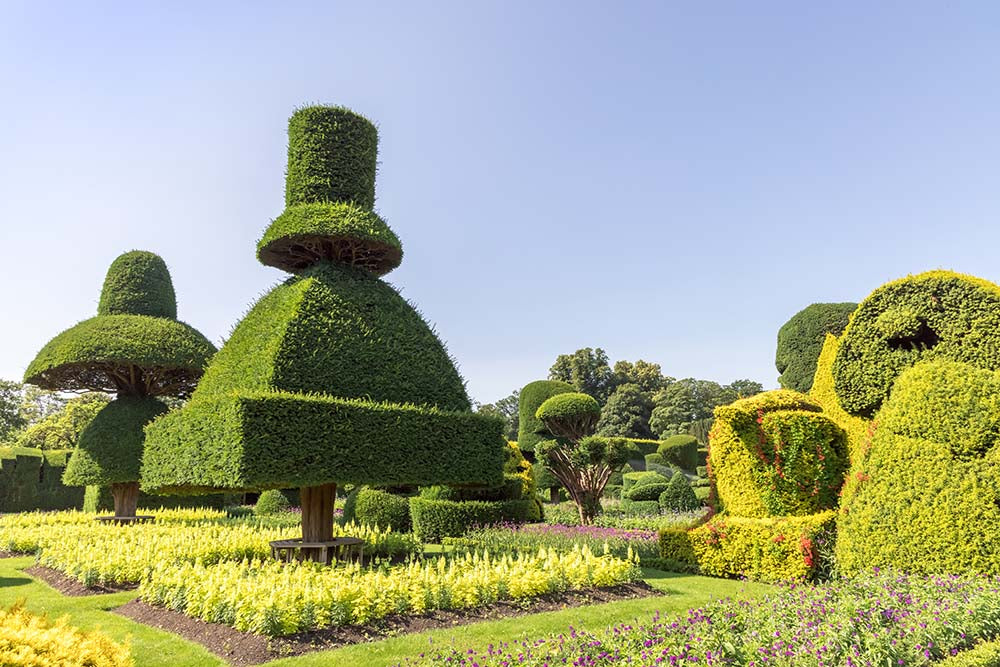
[(769, 549), (436, 519), (383, 509), (31, 479)]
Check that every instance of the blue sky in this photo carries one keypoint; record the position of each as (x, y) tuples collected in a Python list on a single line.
[(667, 181)]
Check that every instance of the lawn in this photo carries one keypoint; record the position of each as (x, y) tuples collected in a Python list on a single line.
[(153, 647)]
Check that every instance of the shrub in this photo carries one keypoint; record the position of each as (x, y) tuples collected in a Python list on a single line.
[(656, 463), (769, 549), (933, 315), (645, 491), (31, 479), (435, 519), (27, 640), (640, 507), (801, 338), (986, 654), (641, 477), (681, 451), (926, 497), (571, 415), (379, 508), (271, 502), (679, 496), (531, 431), (825, 395), (138, 283), (774, 454)]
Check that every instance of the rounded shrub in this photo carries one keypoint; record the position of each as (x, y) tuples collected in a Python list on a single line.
[(681, 451), (648, 491), (801, 338), (271, 502), (380, 508), (138, 283), (679, 496), (531, 431), (642, 477), (568, 406), (933, 315), (640, 507)]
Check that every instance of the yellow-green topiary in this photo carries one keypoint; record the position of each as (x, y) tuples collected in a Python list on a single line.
[(824, 393)]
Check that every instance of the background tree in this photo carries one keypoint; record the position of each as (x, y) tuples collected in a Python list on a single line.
[(12, 419), (134, 348), (627, 413), (61, 430), (581, 462), (646, 375), (38, 403), (587, 370), (682, 403), (800, 340), (506, 409)]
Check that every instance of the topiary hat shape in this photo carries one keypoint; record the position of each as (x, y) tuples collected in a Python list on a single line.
[(331, 377), (134, 347)]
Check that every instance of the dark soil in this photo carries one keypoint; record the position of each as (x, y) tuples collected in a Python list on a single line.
[(7, 554), (244, 648), (69, 586)]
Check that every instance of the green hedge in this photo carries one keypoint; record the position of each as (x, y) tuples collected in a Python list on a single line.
[(437, 519), (801, 338), (31, 479), (138, 283), (631, 479), (280, 440), (986, 654), (531, 431), (933, 315), (383, 509), (679, 496), (681, 451), (774, 454), (648, 491), (271, 502), (770, 549), (926, 497), (640, 507)]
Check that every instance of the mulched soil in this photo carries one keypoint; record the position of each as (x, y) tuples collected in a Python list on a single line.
[(244, 648), (7, 554), (69, 586)]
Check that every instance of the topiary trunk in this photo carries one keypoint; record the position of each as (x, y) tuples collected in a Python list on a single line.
[(126, 496), (554, 494), (317, 513)]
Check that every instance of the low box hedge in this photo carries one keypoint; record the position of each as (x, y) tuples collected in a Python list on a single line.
[(437, 519)]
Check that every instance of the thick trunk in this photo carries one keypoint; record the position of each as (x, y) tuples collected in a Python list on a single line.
[(126, 496), (317, 512), (554, 494)]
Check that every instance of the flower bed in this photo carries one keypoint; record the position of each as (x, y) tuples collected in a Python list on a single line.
[(529, 537), (874, 619), (27, 640)]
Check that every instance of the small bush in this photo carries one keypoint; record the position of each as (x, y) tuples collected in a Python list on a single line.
[(679, 496), (385, 510), (801, 338), (271, 502), (646, 491), (983, 655)]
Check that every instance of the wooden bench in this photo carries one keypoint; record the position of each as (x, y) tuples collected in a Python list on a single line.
[(125, 520), (339, 548)]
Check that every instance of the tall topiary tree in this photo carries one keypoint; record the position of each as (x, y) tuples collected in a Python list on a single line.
[(800, 341), (134, 348), (331, 377), (531, 430)]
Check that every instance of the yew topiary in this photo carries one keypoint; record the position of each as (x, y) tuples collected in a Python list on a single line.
[(800, 340), (135, 348), (331, 377), (531, 430)]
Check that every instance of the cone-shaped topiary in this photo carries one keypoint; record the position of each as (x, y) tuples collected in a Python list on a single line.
[(134, 347), (332, 377)]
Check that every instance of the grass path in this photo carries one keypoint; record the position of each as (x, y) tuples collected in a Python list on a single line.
[(153, 648)]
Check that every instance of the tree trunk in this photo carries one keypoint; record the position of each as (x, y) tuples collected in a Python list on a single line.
[(317, 512), (126, 496), (589, 505), (554, 494)]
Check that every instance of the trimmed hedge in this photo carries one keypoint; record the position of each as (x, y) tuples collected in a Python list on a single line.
[(768, 549), (31, 479), (825, 395), (271, 439), (531, 431), (110, 446), (801, 338), (933, 315), (640, 507), (986, 654), (647, 491), (774, 454), (681, 451), (926, 498), (436, 519), (383, 509), (138, 283), (641, 477), (679, 496)]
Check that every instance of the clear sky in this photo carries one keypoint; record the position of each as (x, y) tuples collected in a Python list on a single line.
[(668, 181)]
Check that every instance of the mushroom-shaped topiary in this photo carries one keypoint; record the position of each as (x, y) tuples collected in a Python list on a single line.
[(530, 429), (136, 348), (572, 416), (332, 377)]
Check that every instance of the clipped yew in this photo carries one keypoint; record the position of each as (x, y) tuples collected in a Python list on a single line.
[(331, 377), (134, 348)]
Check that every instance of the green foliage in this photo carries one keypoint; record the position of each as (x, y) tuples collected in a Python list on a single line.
[(642, 477), (587, 370), (31, 479), (986, 654), (762, 549), (506, 409), (775, 455), (683, 404), (640, 507), (646, 375), (12, 419), (645, 490), (271, 502), (681, 451), (679, 496), (530, 429), (110, 446), (926, 496), (437, 519), (99, 499), (626, 414), (270, 439), (61, 430), (572, 415), (385, 510), (825, 395), (332, 154), (933, 315), (138, 283), (801, 338)]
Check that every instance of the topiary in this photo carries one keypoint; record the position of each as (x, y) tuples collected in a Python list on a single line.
[(385, 510), (271, 502), (135, 348), (801, 338), (571, 415), (332, 377), (933, 315), (681, 451), (823, 392), (640, 507), (642, 477), (679, 496), (531, 430), (774, 454), (646, 491), (434, 519)]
